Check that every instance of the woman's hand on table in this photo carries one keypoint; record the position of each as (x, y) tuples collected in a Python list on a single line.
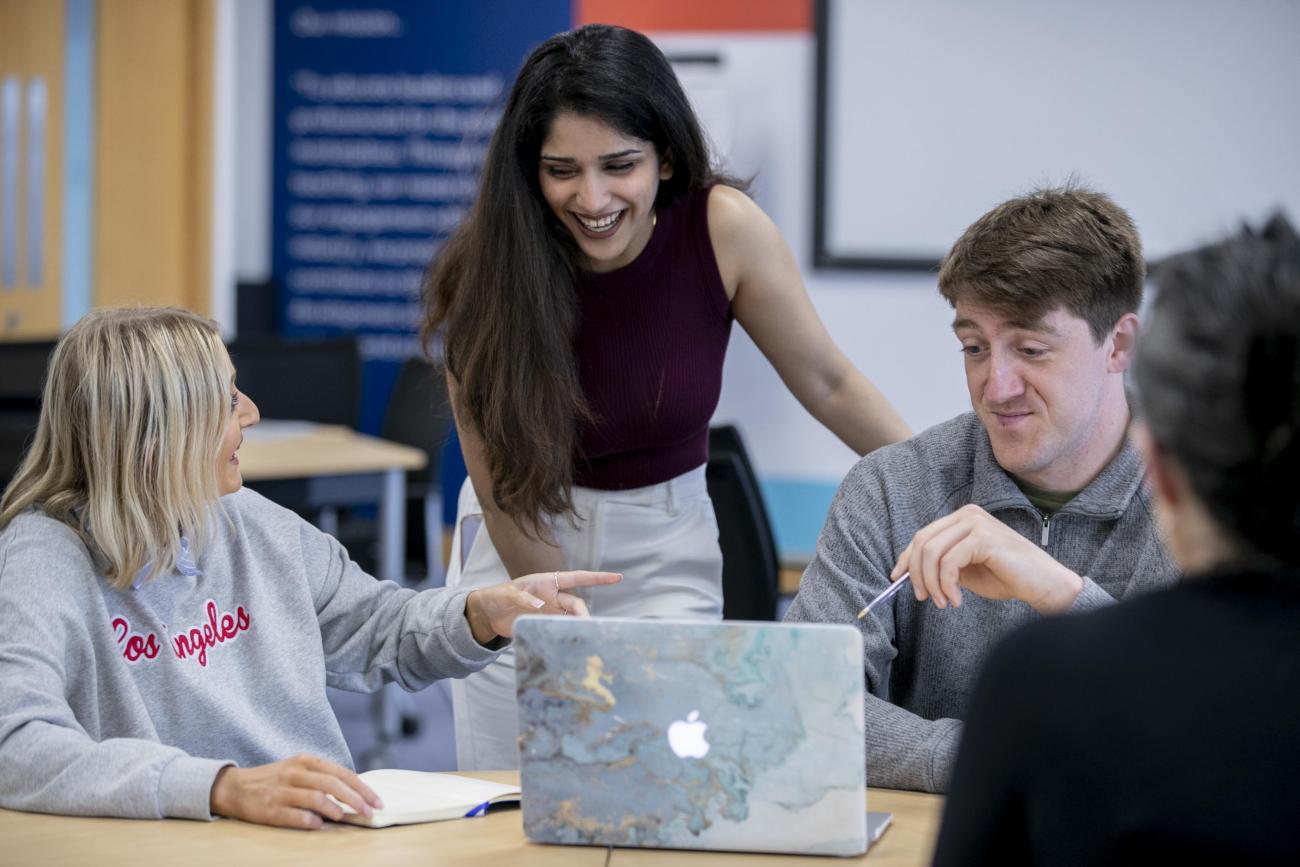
[(292, 793)]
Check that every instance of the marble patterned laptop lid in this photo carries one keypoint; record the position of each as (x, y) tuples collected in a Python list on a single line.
[(690, 735)]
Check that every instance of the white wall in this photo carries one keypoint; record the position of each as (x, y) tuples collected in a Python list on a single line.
[(894, 326), (1184, 110), (251, 79)]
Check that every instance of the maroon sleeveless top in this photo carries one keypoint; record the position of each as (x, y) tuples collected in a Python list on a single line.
[(650, 346)]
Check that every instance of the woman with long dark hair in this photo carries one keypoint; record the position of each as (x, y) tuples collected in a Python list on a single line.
[(1165, 728), (586, 303)]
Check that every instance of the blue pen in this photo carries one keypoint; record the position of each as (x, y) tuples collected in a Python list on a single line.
[(889, 591)]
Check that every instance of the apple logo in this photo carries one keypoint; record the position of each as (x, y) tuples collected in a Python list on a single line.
[(686, 737)]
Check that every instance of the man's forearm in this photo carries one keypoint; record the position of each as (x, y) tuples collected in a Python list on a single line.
[(905, 751)]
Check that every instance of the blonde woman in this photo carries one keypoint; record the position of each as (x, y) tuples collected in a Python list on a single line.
[(165, 636)]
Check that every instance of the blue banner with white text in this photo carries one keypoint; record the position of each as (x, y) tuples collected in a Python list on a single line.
[(383, 111)]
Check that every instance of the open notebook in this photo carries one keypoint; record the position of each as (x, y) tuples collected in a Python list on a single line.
[(419, 796)]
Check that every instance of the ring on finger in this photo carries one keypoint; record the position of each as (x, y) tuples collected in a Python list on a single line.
[(556, 576)]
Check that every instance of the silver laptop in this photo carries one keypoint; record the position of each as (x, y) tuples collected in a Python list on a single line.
[(688, 735)]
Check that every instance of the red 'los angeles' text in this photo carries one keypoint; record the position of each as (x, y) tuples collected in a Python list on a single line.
[(217, 629)]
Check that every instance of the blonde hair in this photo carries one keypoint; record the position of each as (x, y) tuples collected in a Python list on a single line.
[(135, 406)]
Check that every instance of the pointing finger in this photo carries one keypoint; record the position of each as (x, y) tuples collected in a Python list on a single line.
[(570, 580)]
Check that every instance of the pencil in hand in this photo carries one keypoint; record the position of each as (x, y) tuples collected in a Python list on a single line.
[(885, 596)]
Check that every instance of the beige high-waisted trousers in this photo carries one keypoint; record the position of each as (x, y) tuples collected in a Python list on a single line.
[(662, 538)]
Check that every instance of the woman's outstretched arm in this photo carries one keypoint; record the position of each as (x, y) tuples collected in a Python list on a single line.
[(770, 302)]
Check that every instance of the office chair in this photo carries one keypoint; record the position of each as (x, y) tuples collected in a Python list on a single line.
[(22, 379), (316, 380), (309, 380), (16, 432), (22, 371), (257, 308), (419, 415), (749, 559)]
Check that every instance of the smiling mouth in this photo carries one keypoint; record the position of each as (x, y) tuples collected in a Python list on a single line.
[(602, 226)]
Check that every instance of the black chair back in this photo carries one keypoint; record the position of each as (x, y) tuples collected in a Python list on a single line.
[(419, 415), (22, 373), (310, 380), (16, 432), (257, 308), (22, 379), (749, 559)]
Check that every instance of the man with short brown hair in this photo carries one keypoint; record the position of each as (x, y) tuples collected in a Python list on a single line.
[(1058, 247), (1034, 502)]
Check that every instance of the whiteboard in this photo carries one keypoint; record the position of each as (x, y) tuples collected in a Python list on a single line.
[(930, 112)]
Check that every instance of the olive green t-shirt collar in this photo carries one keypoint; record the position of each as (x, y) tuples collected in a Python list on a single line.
[(1045, 501)]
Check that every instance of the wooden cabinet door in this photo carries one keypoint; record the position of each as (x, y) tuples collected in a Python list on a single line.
[(153, 184), (146, 188), (31, 167)]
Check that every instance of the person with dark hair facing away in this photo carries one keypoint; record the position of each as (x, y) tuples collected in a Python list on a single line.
[(1169, 725), (586, 303), (1034, 501)]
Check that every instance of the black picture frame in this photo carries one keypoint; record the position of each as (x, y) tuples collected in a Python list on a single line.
[(823, 256)]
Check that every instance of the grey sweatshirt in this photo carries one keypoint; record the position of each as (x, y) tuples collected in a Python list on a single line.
[(921, 661), (127, 703)]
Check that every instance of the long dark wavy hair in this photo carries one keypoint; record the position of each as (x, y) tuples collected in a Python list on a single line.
[(502, 288)]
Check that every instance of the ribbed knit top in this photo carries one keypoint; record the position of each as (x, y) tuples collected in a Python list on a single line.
[(650, 347)]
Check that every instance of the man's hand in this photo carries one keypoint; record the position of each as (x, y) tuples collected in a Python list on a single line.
[(972, 549), (291, 793), (492, 611)]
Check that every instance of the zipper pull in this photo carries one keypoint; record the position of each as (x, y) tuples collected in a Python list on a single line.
[(1047, 523)]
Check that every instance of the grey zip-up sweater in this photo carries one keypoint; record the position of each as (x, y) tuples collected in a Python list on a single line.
[(921, 661), (127, 703)]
